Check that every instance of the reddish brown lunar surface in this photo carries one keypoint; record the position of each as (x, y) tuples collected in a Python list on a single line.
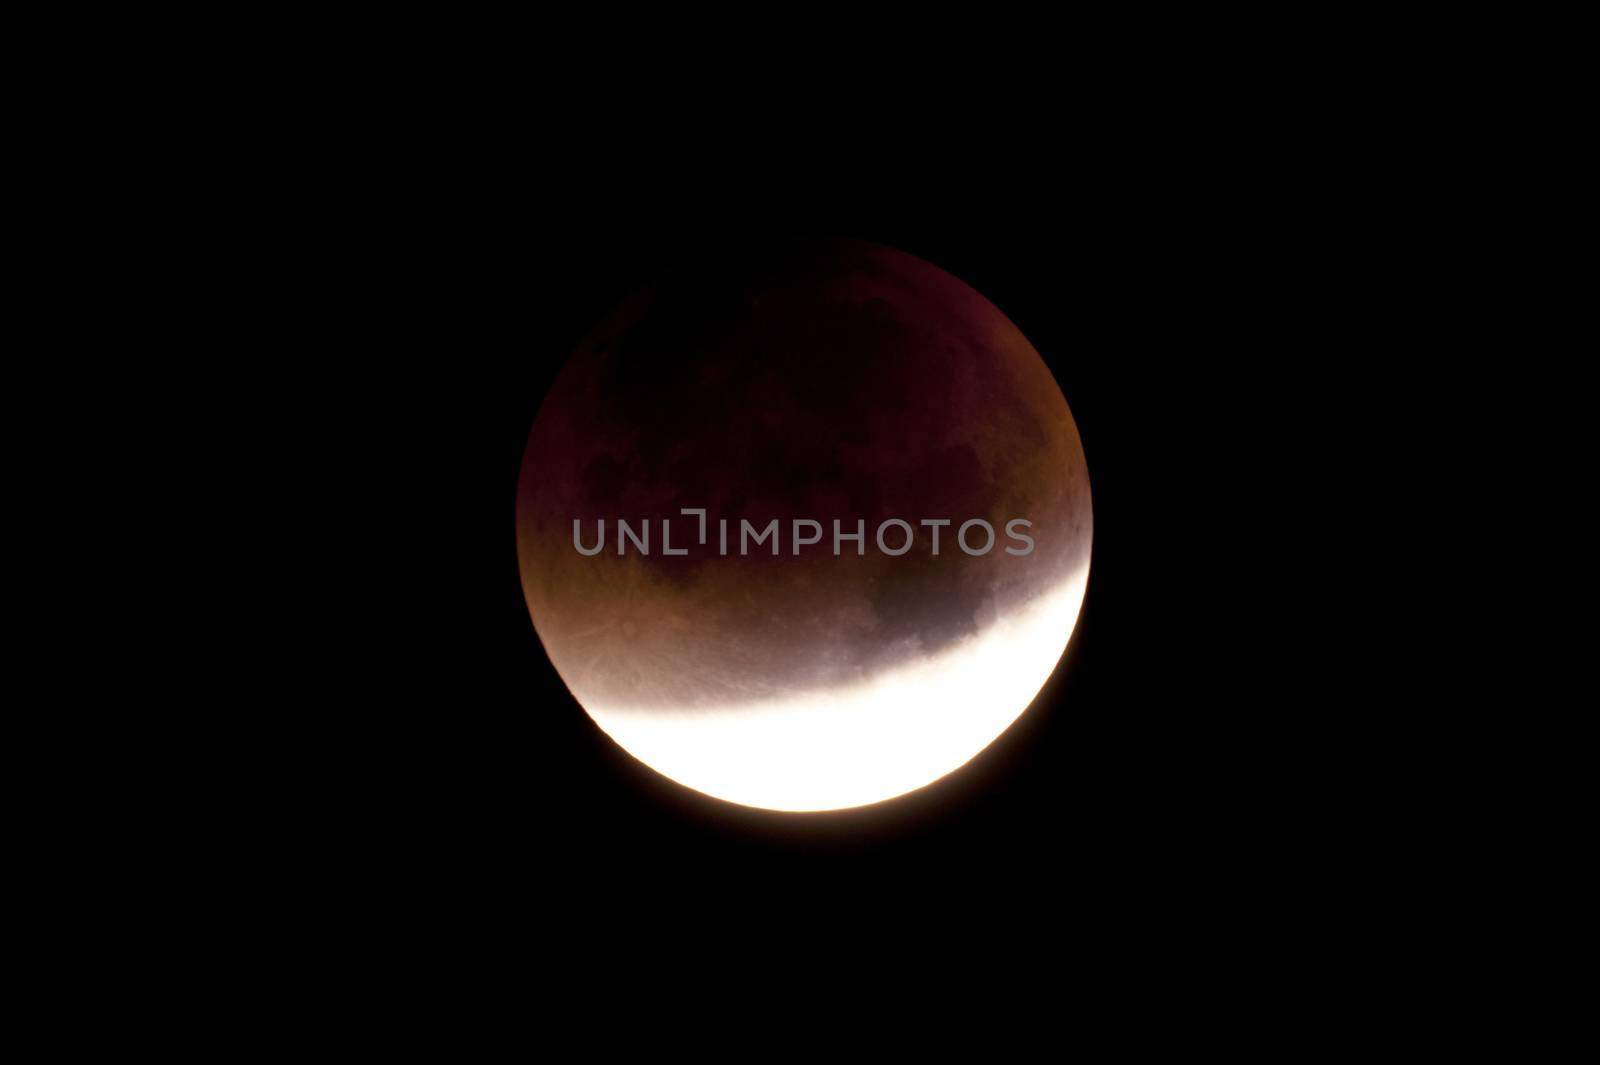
[(827, 381)]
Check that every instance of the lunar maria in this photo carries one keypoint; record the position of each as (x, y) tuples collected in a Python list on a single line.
[(894, 536)]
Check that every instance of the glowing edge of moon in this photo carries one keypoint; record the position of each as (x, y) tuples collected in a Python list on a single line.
[(839, 749)]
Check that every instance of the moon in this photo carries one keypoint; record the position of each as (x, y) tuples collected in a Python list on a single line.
[(834, 382)]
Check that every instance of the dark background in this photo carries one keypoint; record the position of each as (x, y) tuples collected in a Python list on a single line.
[(1164, 768)]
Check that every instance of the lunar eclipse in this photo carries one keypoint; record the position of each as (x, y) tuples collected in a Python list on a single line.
[(832, 383)]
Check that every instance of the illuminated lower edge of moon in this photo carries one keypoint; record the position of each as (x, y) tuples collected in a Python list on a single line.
[(850, 747)]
